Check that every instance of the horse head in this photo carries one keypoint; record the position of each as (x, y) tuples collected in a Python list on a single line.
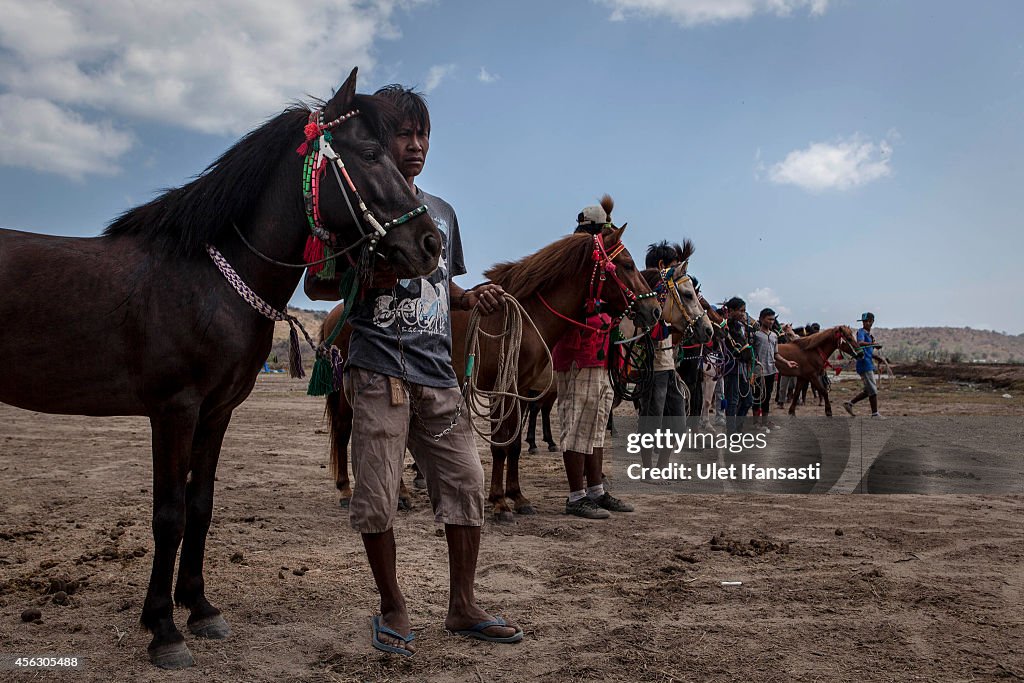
[(845, 335), (629, 293), (683, 309), (368, 199)]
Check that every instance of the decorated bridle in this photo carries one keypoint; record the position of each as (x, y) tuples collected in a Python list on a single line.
[(322, 246), (670, 284)]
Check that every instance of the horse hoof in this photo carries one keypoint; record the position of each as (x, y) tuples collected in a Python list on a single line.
[(504, 517), (214, 628), (532, 450), (344, 503), (171, 656), (526, 510), (553, 448), (404, 505), (419, 482)]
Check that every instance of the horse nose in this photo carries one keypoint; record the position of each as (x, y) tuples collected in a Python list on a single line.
[(431, 244)]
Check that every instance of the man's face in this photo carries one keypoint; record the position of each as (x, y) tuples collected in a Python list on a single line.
[(768, 322), (409, 149), (738, 314), (868, 323)]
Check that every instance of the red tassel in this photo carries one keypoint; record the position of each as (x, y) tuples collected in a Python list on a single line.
[(314, 252), (302, 149)]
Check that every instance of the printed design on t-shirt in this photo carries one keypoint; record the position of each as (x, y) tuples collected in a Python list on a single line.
[(422, 304)]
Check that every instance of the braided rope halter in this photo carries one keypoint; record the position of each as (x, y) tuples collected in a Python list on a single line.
[(322, 249)]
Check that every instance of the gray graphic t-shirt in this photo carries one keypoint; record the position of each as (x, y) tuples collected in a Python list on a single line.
[(418, 309)]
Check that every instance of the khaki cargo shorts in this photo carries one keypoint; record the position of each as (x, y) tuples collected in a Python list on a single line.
[(383, 425), (870, 383), (584, 403)]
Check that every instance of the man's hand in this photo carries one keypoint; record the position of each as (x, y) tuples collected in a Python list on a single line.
[(793, 365), (487, 296)]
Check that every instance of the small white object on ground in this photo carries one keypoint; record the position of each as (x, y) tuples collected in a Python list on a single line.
[(732, 583), (1007, 396)]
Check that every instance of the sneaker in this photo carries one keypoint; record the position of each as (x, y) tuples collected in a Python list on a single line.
[(586, 508), (849, 408), (877, 415), (610, 502)]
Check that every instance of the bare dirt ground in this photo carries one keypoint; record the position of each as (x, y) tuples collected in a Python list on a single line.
[(840, 587)]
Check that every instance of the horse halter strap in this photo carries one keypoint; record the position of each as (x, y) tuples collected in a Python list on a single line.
[(318, 152), (671, 284), (603, 266)]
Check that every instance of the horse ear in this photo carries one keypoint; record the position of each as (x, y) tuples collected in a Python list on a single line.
[(616, 234), (339, 104), (682, 268)]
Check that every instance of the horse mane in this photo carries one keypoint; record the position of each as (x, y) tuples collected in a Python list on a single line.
[(688, 250), (180, 221), (546, 267), (813, 341)]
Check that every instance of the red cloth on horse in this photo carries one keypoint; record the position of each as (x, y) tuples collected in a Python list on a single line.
[(585, 348)]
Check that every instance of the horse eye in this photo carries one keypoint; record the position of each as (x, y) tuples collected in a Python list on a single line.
[(370, 155)]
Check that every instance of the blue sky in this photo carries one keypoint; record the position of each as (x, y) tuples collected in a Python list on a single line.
[(825, 156)]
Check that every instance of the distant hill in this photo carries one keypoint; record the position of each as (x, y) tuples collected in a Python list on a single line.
[(901, 344), (949, 345)]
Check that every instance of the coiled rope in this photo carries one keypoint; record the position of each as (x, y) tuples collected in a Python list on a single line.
[(503, 401)]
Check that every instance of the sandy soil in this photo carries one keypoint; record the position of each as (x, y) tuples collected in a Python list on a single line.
[(860, 588)]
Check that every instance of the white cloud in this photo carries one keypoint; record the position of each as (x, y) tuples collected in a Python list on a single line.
[(838, 165), (765, 297), (693, 12), (486, 76), (37, 134), (218, 67), (437, 73)]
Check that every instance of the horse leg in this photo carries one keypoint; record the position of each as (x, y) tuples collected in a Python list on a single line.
[(417, 477), (501, 511), (172, 445), (205, 620), (820, 388), (801, 384), (531, 423), (520, 503), (545, 415), (339, 414), (404, 497)]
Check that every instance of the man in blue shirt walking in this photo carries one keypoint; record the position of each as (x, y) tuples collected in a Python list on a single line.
[(866, 366)]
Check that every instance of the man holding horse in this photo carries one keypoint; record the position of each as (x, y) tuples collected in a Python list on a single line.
[(738, 389), (866, 366), (403, 391), (766, 347), (585, 398)]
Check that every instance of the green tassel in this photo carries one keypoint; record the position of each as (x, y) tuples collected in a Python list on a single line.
[(328, 270), (322, 378)]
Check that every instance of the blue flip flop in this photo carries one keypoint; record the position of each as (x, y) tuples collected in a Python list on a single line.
[(379, 628), (477, 632)]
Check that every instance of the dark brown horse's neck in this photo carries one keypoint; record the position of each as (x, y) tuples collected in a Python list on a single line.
[(278, 229)]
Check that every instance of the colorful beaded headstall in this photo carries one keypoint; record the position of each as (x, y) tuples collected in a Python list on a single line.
[(321, 246)]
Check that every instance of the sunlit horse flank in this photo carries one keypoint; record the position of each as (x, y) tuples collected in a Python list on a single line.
[(170, 339), (558, 274), (811, 354)]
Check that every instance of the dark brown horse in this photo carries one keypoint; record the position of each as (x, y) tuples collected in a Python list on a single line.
[(559, 275), (811, 354), (177, 342)]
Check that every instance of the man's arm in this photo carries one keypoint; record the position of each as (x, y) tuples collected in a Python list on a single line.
[(487, 295)]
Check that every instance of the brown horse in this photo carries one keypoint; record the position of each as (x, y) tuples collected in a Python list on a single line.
[(811, 354), (176, 342), (559, 275)]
